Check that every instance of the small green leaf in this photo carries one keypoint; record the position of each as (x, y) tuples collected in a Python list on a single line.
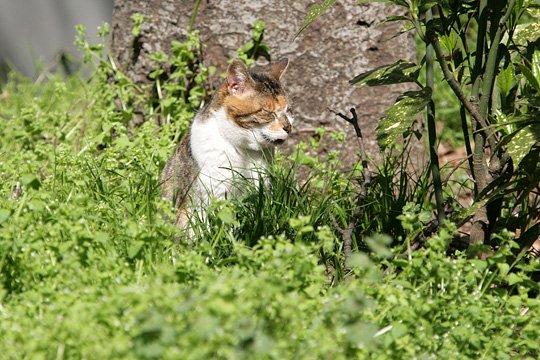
[(534, 12), (503, 268), (258, 29), (4, 215), (536, 65), (301, 224), (36, 205), (361, 334), (379, 245), (400, 117), (305, 159), (515, 301), (514, 279), (502, 119), (398, 72), (505, 81), (314, 12), (31, 181), (122, 142), (522, 142), (481, 265), (400, 263), (134, 249), (359, 260), (427, 4), (398, 330), (526, 33), (137, 20), (226, 215), (101, 237), (263, 344)]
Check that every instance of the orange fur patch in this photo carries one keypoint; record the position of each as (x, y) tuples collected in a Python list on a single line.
[(254, 108)]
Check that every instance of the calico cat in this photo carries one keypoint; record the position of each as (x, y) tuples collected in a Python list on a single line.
[(233, 136)]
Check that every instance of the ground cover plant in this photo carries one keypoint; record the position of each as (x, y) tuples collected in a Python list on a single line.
[(91, 267)]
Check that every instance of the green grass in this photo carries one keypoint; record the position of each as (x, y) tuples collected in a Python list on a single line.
[(90, 266)]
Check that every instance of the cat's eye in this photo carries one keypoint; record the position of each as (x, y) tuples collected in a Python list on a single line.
[(270, 113)]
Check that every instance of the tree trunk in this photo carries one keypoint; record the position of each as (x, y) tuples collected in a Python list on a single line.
[(339, 45)]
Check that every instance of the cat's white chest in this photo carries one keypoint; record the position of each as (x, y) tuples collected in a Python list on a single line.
[(217, 147)]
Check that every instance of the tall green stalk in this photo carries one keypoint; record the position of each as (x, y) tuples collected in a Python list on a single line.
[(432, 133), (194, 15)]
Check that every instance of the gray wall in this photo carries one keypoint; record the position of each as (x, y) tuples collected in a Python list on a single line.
[(37, 31)]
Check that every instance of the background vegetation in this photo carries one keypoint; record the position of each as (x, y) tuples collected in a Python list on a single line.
[(91, 267)]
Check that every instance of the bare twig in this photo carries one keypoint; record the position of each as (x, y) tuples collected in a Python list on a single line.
[(454, 84), (357, 212)]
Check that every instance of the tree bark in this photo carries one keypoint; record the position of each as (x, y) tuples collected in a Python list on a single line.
[(350, 39)]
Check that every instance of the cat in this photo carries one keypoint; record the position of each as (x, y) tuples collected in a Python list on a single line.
[(233, 136)]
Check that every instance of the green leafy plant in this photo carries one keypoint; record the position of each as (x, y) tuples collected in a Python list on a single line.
[(498, 103)]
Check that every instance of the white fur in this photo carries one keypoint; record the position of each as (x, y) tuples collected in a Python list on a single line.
[(225, 151)]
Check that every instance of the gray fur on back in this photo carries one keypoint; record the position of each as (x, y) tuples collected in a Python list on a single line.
[(179, 174)]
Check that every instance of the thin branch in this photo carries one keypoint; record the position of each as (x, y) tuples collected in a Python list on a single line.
[(357, 212), (449, 77), (353, 121)]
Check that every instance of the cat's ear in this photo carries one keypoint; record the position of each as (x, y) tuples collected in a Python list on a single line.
[(277, 68), (238, 79)]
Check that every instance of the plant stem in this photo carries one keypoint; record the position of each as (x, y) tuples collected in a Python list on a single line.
[(466, 138), (462, 114), (480, 45), (479, 165), (194, 15), (432, 132), (480, 222)]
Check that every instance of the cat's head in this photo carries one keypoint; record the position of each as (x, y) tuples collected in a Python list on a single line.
[(255, 102)]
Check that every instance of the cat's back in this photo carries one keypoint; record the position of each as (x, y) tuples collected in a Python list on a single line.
[(180, 173)]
